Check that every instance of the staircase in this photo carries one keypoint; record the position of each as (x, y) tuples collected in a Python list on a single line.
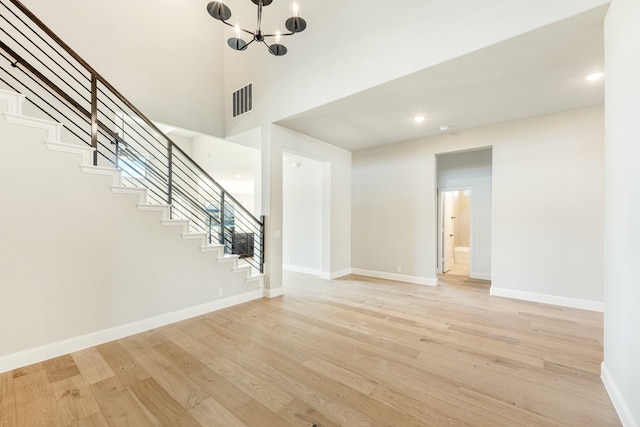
[(86, 260), (107, 228)]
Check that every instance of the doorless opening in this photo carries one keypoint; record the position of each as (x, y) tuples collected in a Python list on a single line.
[(455, 231), (464, 189), (303, 214)]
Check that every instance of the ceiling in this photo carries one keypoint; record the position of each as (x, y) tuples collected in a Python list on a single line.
[(537, 73)]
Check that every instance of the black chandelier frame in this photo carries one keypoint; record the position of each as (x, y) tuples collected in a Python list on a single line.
[(220, 11)]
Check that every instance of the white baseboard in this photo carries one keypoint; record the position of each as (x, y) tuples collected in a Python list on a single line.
[(272, 293), (481, 276), (60, 348), (619, 403), (315, 272), (303, 270), (549, 299), (395, 276), (336, 274), (14, 101)]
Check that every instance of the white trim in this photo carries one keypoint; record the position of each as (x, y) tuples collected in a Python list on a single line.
[(115, 174), (548, 299), (14, 101), (84, 151), (272, 293), (318, 273), (53, 129), (481, 276), (428, 281), (60, 348), (336, 274), (303, 270), (619, 403)]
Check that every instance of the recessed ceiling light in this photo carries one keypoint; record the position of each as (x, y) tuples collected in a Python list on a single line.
[(595, 76), (444, 128), (418, 119)]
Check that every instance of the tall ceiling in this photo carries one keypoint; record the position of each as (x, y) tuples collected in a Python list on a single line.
[(537, 73)]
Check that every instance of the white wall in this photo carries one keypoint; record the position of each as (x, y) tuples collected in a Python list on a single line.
[(472, 169), (235, 167), (352, 46), (547, 205), (77, 259), (185, 143), (621, 370), (164, 56), (548, 208), (302, 214), (394, 211)]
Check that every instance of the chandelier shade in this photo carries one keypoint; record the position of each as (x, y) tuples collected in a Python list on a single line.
[(237, 43), (220, 11)]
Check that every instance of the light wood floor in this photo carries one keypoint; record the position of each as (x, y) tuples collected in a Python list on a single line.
[(349, 352)]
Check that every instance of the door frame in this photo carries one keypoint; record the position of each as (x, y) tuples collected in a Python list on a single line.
[(440, 227)]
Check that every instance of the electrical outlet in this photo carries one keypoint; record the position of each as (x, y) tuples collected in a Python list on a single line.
[(398, 269), (220, 292)]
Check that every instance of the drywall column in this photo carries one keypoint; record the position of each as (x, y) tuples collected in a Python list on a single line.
[(272, 210), (620, 369), (394, 212)]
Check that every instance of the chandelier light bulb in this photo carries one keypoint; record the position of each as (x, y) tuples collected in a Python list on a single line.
[(296, 9)]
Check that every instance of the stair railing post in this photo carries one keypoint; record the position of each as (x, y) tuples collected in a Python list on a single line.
[(210, 228), (170, 175), (94, 117), (262, 244), (222, 224)]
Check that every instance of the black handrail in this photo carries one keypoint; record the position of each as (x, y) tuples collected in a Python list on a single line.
[(136, 134)]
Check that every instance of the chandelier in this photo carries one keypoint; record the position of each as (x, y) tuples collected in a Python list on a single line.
[(295, 24)]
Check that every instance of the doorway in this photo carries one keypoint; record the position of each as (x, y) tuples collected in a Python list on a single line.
[(455, 231), (303, 214)]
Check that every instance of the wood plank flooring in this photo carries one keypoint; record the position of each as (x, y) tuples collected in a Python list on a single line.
[(350, 352)]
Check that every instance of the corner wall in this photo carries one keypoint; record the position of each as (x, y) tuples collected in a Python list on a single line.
[(620, 369)]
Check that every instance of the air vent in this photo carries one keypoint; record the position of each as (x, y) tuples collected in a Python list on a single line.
[(243, 100)]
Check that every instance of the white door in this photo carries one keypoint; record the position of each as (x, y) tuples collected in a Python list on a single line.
[(447, 231)]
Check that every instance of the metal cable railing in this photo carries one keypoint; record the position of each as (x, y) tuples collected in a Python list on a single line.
[(64, 88)]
